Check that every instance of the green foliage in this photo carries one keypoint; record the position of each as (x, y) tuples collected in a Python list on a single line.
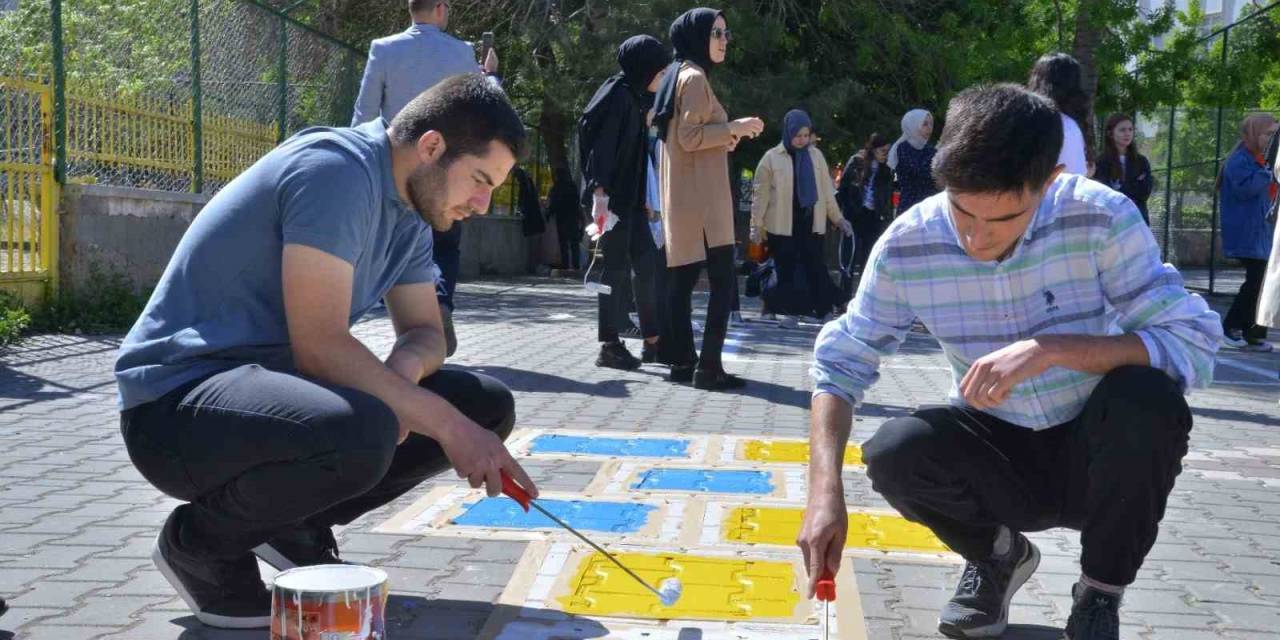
[(113, 47), (14, 319), (105, 303)]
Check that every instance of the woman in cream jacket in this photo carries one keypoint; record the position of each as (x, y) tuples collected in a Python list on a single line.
[(793, 201)]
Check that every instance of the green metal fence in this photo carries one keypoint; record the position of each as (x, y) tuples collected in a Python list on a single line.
[(178, 95), (1187, 146)]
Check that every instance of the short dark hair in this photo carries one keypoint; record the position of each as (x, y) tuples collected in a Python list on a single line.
[(470, 112), (419, 6), (998, 139)]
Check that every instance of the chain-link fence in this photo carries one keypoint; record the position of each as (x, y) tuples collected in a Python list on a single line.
[(1187, 147), (174, 95)]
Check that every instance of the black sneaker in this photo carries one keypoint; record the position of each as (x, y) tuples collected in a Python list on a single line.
[(980, 608), (302, 546), (650, 353), (1095, 615), (3, 606), (681, 374), (717, 380), (615, 356), (222, 592)]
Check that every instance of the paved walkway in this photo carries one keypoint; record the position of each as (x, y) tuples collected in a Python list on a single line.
[(77, 522)]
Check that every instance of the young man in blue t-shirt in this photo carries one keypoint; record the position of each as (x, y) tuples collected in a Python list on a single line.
[(243, 392)]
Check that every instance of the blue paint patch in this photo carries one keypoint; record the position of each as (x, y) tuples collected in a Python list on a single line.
[(622, 447), (705, 481), (504, 513)]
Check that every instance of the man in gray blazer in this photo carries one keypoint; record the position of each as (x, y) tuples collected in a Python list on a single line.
[(402, 66)]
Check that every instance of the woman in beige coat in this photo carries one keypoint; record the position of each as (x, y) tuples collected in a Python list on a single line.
[(696, 203), (793, 202)]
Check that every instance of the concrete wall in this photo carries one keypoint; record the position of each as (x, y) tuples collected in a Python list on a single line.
[(121, 229), (494, 245), (134, 231)]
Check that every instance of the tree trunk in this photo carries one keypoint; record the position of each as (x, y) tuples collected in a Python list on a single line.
[(1088, 36), (552, 124)]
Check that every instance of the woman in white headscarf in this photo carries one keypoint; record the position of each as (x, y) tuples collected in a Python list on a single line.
[(911, 159)]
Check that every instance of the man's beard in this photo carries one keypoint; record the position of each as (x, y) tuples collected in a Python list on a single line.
[(427, 187)]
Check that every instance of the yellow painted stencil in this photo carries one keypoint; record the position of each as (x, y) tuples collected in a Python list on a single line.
[(714, 588), (790, 451), (781, 526)]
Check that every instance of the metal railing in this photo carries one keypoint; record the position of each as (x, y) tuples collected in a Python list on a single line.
[(157, 94), (1187, 146)]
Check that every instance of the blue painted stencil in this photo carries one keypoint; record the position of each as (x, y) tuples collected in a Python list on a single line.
[(627, 447), (705, 481), (505, 513)]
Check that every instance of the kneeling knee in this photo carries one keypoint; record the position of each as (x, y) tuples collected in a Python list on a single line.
[(1145, 402), (371, 433), (890, 455)]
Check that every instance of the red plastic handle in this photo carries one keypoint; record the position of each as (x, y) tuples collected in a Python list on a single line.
[(515, 491), (826, 590)]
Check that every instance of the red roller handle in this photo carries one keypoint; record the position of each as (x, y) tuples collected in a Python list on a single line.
[(826, 590), (516, 492)]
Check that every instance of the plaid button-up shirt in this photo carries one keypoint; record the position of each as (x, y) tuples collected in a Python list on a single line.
[(1087, 265)]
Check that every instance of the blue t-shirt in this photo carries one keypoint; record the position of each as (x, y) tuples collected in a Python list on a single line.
[(220, 302)]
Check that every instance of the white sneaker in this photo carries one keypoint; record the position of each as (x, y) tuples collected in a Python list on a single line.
[(789, 322), (1261, 347)]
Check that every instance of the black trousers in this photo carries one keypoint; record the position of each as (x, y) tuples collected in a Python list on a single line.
[(680, 283), (257, 451), (1243, 313), (857, 249), (802, 256), (629, 253), (446, 250), (1108, 473), (569, 235)]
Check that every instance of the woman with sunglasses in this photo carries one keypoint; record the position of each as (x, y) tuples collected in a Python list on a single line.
[(696, 200)]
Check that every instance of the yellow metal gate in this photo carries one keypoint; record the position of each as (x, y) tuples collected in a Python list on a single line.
[(28, 191)]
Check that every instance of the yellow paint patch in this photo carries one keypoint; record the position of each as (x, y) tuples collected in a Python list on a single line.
[(783, 451), (714, 588), (781, 526)]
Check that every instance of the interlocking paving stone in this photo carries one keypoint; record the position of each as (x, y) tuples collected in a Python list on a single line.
[(72, 509)]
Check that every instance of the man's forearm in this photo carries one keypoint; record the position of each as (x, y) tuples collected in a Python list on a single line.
[(1094, 354), (345, 361), (418, 353), (830, 423)]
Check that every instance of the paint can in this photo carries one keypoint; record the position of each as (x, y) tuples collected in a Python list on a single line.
[(329, 602)]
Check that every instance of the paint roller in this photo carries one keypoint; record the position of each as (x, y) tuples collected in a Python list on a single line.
[(670, 589)]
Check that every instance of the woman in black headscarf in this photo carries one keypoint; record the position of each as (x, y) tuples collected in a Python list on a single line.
[(612, 149), (696, 201)]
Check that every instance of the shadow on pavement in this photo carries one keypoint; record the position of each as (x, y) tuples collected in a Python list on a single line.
[(1031, 632), (538, 382), (1232, 415), (411, 618)]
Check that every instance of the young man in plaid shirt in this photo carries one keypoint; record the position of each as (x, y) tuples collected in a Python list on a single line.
[(1071, 346)]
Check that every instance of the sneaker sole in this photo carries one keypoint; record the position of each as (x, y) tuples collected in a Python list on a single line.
[(210, 619), (1021, 574), (269, 555)]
